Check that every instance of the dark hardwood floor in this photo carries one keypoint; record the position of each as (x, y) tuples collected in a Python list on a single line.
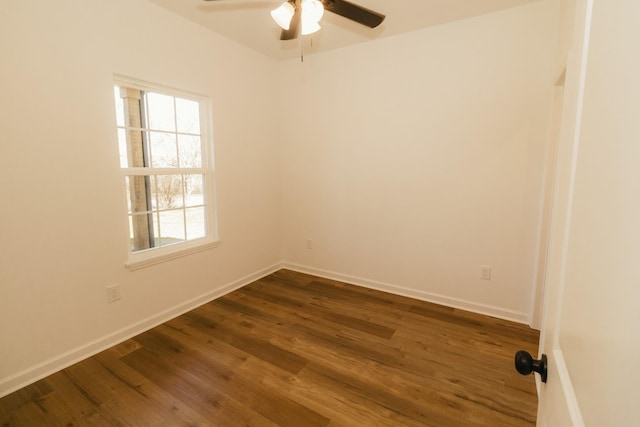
[(297, 350)]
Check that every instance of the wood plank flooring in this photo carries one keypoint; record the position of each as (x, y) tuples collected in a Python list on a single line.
[(297, 350)]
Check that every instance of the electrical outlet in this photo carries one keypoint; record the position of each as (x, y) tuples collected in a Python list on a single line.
[(113, 293), (485, 272), (309, 244)]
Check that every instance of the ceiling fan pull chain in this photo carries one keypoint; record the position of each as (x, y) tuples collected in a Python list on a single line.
[(302, 48)]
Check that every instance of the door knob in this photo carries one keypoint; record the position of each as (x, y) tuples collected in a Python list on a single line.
[(525, 364)]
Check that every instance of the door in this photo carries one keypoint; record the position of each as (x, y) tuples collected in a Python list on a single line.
[(591, 315)]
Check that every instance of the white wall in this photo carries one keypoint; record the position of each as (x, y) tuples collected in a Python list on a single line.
[(62, 223), (411, 161)]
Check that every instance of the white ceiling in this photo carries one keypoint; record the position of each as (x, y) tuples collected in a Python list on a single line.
[(249, 22)]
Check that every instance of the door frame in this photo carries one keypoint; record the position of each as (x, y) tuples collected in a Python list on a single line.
[(558, 403)]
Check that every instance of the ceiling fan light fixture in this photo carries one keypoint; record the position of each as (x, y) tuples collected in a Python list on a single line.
[(309, 28), (283, 14), (312, 11)]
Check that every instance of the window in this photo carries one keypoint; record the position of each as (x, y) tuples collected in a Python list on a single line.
[(165, 159)]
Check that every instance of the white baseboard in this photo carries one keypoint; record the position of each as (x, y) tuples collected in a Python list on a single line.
[(571, 400), (488, 310), (557, 401), (30, 375)]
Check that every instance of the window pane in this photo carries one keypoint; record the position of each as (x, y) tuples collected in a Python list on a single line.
[(156, 233), (139, 231), (171, 227), (161, 112), (190, 149), (165, 206), (131, 234), (196, 223), (193, 190), (119, 106), (128, 188), (163, 150), (167, 191), (122, 146), (137, 193), (188, 116)]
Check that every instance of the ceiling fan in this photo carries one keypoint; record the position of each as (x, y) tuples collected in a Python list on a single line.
[(302, 16)]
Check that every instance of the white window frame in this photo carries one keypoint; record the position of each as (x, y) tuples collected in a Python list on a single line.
[(152, 256)]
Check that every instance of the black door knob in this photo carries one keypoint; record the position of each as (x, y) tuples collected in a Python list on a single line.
[(525, 364)]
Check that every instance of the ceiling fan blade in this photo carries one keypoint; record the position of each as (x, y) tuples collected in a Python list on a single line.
[(294, 26), (354, 12)]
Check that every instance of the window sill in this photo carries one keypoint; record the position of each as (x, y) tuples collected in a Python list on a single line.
[(150, 258)]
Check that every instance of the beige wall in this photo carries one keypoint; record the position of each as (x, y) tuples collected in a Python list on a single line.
[(62, 222), (411, 161)]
